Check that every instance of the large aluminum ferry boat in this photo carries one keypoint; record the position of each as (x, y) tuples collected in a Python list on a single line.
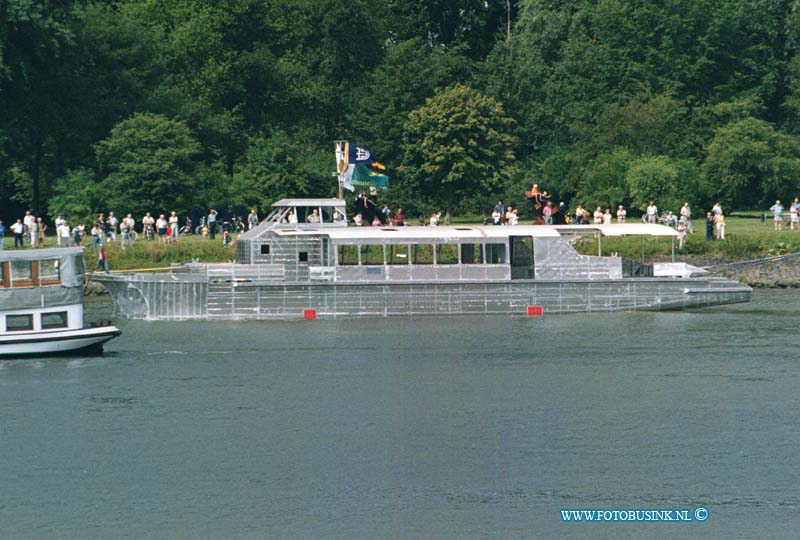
[(41, 305), (304, 260)]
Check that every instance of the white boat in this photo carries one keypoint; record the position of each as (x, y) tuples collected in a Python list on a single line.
[(41, 305), (303, 261)]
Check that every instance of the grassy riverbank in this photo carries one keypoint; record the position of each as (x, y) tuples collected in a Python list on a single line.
[(746, 238)]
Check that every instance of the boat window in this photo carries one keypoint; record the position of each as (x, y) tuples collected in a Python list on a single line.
[(48, 272), (3, 279), (302, 256), (21, 274), (372, 254), (348, 255), (471, 254), (447, 254), (422, 254), (18, 323), (57, 319), (265, 249), (397, 253), (495, 253)]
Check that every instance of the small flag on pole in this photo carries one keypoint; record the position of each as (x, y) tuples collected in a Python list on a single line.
[(102, 262)]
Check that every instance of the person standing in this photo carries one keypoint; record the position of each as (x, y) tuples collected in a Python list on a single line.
[(621, 214), (399, 218), (173, 227), (719, 220), (97, 237), (77, 234), (211, 221), (501, 209), (62, 231), (607, 217), (652, 212), (124, 229), (716, 209), (547, 213), (36, 231), (252, 219), (792, 216), (2, 233), (682, 230), (777, 212), (28, 222), (161, 227), (111, 227), (598, 216), (686, 212), (709, 226), (18, 229)]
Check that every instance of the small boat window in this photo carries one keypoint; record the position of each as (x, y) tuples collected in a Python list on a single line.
[(397, 253), (496, 253), (372, 254), (57, 319), (348, 255), (21, 274), (447, 254), (19, 323), (302, 256), (422, 254), (48, 272), (265, 249), (471, 254)]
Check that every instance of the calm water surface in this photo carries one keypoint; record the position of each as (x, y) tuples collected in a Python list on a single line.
[(405, 428)]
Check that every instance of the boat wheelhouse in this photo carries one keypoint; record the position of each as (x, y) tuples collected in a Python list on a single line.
[(41, 304), (305, 259)]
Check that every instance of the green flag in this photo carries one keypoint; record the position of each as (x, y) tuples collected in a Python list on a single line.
[(365, 178)]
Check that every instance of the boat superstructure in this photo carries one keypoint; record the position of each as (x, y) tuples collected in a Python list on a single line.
[(305, 258), (41, 304)]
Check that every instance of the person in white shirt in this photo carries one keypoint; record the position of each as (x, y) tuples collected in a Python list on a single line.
[(607, 217), (62, 230), (621, 214), (652, 212), (28, 222), (686, 213), (173, 226), (18, 229)]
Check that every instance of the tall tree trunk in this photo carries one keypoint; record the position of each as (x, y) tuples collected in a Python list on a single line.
[(36, 175)]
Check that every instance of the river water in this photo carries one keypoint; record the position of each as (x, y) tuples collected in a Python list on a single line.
[(429, 428)]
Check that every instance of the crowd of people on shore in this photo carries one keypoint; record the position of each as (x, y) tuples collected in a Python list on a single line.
[(30, 230)]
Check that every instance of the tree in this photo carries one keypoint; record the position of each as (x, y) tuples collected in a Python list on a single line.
[(282, 166), (751, 163), (77, 196), (148, 164), (457, 149)]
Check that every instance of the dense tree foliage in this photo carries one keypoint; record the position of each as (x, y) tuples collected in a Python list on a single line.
[(139, 105)]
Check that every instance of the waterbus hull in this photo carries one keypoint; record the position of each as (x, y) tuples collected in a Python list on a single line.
[(184, 297)]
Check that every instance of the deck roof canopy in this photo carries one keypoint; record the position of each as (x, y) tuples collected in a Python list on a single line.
[(284, 203), (620, 229), (416, 233)]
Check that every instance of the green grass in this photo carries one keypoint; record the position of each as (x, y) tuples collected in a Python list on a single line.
[(152, 254), (746, 238)]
